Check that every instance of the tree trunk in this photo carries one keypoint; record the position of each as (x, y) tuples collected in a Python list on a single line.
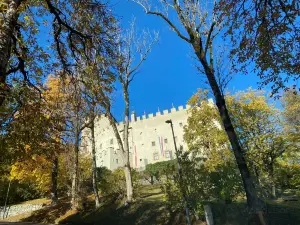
[(74, 194), (257, 175), (129, 189), (94, 166), (6, 199), (127, 169), (273, 186), (6, 33), (54, 173), (123, 147), (254, 203), (273, 190)]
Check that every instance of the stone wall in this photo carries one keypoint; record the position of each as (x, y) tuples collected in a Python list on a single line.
[(14, 210)]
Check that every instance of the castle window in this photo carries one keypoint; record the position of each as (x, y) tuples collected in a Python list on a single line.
[(155, 156), (100, 155), (111, 141), (168, 154), (180, 124), (166, 140), (104, 152), (153, 143), (117, 161), (100, 146)]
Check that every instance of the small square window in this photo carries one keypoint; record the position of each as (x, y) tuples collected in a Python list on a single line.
[(168, 154), (141, 160), (153, 143), (111, 141), (180, 124), (166, 141), (155, 156)]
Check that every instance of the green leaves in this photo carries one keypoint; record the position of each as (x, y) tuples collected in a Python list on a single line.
[(162, 169), (270, 150), (266, 33), (291, 113)]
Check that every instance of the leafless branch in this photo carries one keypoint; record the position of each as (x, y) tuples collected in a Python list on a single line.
[(209, 40), (171, 25)]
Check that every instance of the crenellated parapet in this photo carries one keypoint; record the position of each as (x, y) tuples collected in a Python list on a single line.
[(134, 118), (159, 113)]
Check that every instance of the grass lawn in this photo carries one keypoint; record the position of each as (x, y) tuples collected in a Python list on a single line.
[(149, 208), (277, 213)]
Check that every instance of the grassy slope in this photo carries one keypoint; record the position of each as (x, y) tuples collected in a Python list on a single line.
[(277, 213), (149, 208)]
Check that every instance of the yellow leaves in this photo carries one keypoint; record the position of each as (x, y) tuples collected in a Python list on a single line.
[(200, 96), (218, 158), (14, 174), (33, 157), (35, 170), (27, 18), (27, 148), (3, 7), (54, 93)]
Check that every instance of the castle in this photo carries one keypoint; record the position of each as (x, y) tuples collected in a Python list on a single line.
[(150, 139)]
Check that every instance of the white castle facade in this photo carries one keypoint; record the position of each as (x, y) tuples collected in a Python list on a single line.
[(150, 139)]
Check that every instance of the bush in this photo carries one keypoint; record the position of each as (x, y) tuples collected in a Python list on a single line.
[(159, 170), (113, 183), (201, 182), (19, 192)]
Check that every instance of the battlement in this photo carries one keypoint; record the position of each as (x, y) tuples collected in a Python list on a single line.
[(135, 118), (159, 113)]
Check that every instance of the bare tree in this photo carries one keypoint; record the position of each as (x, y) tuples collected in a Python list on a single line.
[(199, 27), (132, 52)]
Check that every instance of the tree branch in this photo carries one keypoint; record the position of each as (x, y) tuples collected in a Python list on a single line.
[(171, 25), (21, 62), (56, 12), (208, 40)]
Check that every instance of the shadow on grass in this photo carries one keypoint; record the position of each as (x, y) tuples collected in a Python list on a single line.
[(237, 214), (148, 209), (142, 212), (50, 213)]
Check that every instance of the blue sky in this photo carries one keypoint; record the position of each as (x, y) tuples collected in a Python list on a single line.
[(169, 74)]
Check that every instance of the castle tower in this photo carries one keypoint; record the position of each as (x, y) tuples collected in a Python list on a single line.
[(133, 116)]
